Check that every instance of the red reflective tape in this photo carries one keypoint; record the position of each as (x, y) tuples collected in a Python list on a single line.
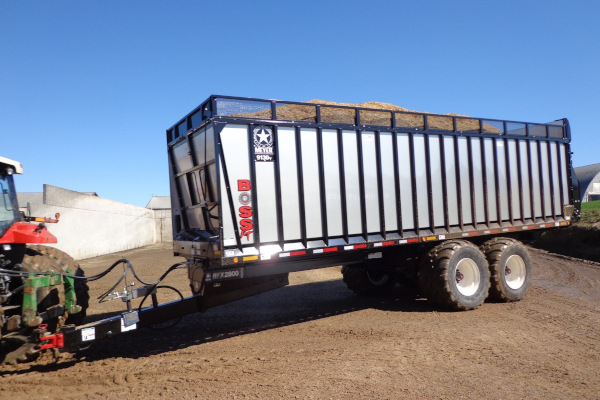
[(412, 240), (298, 253), (512, 229), (473, 233), (388, 243), (330, 249), (360, 246), (494, 230)]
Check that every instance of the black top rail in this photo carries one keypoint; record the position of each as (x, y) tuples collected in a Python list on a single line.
[(244, 108)]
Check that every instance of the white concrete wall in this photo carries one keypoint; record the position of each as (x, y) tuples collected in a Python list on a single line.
[(163, 225), (91, 226)]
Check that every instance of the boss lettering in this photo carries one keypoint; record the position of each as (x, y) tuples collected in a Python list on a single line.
[(245, 211), (243, 185)]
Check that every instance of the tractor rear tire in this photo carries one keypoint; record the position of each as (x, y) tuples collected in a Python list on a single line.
[(61, 262), (454, 275), (510, 269), (368, 282), (18, 347)]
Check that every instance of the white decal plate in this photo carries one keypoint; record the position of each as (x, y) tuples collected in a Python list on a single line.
[(127, 328), (88, 334)]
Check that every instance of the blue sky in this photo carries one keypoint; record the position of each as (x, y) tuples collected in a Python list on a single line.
[(88, 88)]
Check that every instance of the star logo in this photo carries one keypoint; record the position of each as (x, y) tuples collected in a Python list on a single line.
[(263, 136)]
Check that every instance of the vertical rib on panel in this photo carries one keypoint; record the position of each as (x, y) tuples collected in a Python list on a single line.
[(370, 181), (321, 181), (278, 194), (300, 177), (420, 174), (396, 175), (454, 193), (288, 170), (343, 191), (467, 193), (479, 202), (509, 181), (380, 206), (504, 196), (526, 166), (413, 181), (310, 170), (405, 181), (553, 176), (253, 192), (430, 205), (486, 163), (437, 198), (361, 184), (388, 181), (535, 183), (267, 201), (443, 171), (515, 179), (562, 153), (331, 172), (352, 180), (546, 185)]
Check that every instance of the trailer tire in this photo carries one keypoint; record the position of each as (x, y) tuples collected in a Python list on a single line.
[(510, 269), (454, 275), (368, 282)]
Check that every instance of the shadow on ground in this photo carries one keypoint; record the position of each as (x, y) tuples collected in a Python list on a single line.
[(278, 308)]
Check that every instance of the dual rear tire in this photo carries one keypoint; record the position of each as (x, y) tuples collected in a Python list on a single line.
[(457, 275), (510, 269), (454, 275)]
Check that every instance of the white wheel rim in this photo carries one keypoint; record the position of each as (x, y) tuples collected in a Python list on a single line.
[(515, 272), (467, 277)]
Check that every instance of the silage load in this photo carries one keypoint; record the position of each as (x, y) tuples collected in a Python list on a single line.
[(373, 113)]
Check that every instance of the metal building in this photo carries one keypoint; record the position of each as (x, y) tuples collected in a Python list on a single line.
[(589, 182)]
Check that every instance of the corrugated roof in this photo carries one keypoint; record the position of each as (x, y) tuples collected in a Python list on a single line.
[(586, 176)]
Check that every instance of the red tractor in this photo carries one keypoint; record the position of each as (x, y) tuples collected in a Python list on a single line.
[(41, 287)]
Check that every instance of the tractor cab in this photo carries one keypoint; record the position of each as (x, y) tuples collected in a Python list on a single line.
[(16, 228), (9, 209)]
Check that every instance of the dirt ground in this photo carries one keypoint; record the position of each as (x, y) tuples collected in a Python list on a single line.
[(314, 339)]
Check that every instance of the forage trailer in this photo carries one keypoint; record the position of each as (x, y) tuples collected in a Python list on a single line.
[(267, 187), (262, 188)]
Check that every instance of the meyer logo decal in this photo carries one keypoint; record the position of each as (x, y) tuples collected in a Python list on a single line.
[(263, 143)]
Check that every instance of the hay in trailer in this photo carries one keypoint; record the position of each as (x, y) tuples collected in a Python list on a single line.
[(373, 113)]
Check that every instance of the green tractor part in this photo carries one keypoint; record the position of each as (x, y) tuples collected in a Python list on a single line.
[(50, 280)]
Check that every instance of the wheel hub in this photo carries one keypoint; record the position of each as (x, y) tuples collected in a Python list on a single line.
[(467, 277), (515, 272)]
